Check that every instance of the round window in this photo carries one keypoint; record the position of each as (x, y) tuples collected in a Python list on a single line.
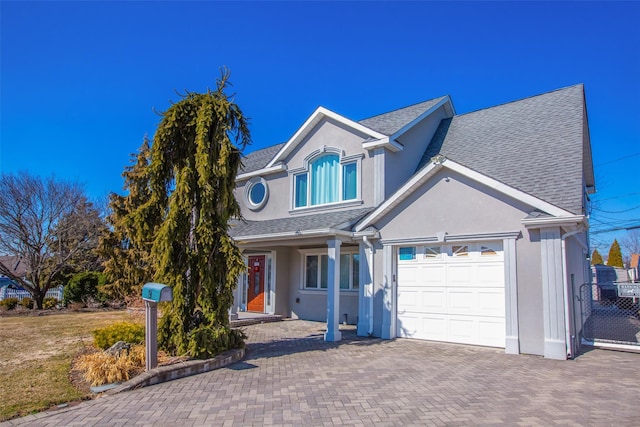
[(256, 193)]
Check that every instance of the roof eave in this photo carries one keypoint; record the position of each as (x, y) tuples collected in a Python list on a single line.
[(280, 167), (385, 142), (298, 234)]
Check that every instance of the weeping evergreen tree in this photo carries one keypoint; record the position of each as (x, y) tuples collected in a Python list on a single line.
[(596, 258), (195, 157), (127, 245)]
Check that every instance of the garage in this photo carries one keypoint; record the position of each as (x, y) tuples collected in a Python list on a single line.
[(452, 293)]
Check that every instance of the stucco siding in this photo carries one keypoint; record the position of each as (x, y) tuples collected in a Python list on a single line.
[(402, 164), (312, 304), (283, 284), (455, 204)]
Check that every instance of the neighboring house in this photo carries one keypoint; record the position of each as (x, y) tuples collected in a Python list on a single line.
[(14, 264), (634, 268), (426, 224), (10, 288)]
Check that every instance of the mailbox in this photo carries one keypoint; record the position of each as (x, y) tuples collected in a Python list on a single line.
[(157, 292)]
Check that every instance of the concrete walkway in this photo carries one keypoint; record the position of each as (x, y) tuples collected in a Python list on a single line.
[(290, 376)]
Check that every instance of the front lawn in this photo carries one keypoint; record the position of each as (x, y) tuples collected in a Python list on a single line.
[(36, 354)]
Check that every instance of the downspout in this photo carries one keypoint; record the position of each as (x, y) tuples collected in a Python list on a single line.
[(567, 294), (370, 265)]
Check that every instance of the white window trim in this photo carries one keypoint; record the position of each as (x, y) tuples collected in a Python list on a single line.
[(247, 193), (317, 251), (305, 169)]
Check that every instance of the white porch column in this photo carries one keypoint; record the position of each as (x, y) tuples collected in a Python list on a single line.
[(553, 294), (333, 292)]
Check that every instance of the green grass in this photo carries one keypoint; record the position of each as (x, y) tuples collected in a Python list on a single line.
[(36, 355)]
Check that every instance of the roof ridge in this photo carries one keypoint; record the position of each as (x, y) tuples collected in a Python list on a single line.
[(402, 108), (521, 99)]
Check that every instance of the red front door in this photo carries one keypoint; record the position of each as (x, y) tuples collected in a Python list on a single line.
[(255, 293)]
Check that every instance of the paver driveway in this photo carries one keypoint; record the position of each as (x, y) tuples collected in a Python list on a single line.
[(290, 376)]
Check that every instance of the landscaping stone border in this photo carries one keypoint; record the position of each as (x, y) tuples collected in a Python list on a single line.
[(191, 367), (179, 370)]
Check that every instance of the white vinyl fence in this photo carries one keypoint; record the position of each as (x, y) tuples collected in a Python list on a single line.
[(5, 292)]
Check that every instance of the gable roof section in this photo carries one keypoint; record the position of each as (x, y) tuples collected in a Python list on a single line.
[(297, 226), (378, 127), (320, 114), (438, 163), (393, 121), (535, 145)]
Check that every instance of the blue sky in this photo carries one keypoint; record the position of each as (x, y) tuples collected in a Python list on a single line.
[(80, 80)]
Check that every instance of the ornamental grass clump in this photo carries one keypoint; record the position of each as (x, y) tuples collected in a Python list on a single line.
[(103, 368)]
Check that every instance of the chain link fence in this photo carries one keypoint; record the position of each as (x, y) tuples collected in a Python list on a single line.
[(608, 316)]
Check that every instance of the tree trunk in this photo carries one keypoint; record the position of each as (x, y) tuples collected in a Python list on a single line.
[(39, 299)]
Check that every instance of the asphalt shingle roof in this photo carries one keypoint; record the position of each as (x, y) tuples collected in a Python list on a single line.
[(391, 122), (387, 124), (534, 145), (340, 220), (258, 159)]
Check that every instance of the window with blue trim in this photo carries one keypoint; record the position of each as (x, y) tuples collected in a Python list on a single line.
[(326, 181)]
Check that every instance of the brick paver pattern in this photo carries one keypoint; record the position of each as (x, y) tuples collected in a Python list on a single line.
[(290, 376)]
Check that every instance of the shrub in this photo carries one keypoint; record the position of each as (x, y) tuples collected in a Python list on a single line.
[(208, 341), (9, 303), (49, 302), (102, 368), (26, 302), (83, 287), (121, 331)]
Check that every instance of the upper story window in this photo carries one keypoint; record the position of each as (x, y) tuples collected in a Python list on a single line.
[(327, 179)]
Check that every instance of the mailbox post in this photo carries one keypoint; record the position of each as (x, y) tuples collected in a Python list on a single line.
[(152, 294)]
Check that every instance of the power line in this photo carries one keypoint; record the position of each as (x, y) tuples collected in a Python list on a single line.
[(616, 212), (615, 229), (596, 200), (617, 160)]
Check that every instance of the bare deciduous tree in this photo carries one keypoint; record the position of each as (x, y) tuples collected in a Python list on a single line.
[(631, 242), (37, 227)]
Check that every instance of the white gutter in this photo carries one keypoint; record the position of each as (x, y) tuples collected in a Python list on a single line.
[(371, 271), (567, 294), (293, 235), (554, 220), (264, 171)]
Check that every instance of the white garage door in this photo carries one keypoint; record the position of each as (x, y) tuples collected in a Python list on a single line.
[(452, 293)]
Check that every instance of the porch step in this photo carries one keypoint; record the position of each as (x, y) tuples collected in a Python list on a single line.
[(267, 318)]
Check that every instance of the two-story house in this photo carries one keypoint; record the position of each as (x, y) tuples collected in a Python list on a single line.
[(427, 224)]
